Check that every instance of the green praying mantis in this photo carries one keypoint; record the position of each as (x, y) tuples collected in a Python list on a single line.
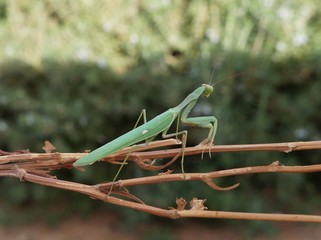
[(160, 124)]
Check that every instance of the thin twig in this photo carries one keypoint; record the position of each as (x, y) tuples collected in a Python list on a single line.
[(93, 192), (272, 168)]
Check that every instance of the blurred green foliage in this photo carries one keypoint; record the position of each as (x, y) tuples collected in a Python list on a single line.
[(79, 73)]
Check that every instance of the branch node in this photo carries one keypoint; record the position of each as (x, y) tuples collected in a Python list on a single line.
[(291, 147), (20, 173)]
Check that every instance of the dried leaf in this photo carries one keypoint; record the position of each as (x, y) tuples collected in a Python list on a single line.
[(48, 147), (197, 204), (276, 163), (181, 203)]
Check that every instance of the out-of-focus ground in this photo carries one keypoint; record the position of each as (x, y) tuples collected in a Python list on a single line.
[(108, 226)]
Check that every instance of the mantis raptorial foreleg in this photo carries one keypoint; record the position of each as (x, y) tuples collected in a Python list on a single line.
[(203, 122)]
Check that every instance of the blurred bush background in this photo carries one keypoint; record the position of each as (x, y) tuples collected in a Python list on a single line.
[(78, 73)]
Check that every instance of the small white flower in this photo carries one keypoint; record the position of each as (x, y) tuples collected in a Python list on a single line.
[(145, 40), (306, 11), (301, 133), (3, 126), (300, 39), (281, 46), (285, 13), (165, 2), (29, 119), (101, 62), (8, 51), (268, 3), (212, 35), (107, 26), (83, 121), (3, 100), (82, 54), (134, 38)]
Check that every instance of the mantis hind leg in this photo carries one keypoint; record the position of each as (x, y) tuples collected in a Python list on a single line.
[(119, 170), (142, 114)]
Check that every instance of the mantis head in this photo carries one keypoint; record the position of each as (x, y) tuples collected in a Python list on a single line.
[(208, 89)]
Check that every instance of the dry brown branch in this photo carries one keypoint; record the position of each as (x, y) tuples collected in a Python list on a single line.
[(35, 167), (57, 160), (95, 193)]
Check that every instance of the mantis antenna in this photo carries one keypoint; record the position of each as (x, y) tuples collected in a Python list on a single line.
[(229, 78), (214, 67)]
